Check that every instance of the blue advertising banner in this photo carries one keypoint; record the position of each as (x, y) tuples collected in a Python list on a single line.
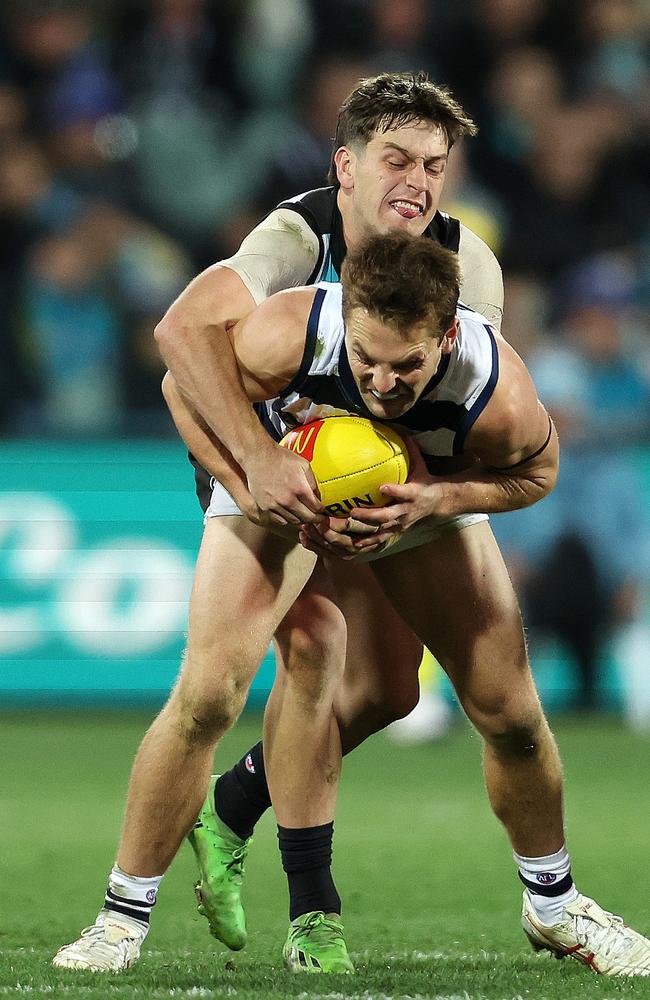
[(97, 549)]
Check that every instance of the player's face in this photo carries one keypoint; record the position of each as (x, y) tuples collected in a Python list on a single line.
[(394, 183), (392, 368)]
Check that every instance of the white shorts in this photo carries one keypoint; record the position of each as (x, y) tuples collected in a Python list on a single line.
[(426, 530)]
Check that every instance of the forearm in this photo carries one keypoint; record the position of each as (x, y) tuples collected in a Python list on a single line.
[(481, 490), (203, 444)]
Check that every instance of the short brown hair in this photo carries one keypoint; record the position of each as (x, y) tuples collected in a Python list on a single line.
[(402, 280), (392, 100)]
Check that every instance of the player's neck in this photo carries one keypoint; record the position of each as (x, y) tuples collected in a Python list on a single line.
[(353, 233)]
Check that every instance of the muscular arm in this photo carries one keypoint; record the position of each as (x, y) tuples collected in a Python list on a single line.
[(192, 335), (515, 445), (267, 348), (205, 447), (516, 460), (194, 342)]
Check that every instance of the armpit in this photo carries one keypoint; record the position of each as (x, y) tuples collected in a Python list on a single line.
[(279, 253)]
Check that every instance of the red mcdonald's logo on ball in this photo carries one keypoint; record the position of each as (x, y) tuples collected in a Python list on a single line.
[(303, 439)]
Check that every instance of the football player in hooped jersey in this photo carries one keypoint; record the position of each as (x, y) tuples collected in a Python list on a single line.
[(393, 344)]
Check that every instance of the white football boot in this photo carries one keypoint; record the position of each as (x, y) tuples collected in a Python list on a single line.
[(592, 935), (112, 944), (429, 721)]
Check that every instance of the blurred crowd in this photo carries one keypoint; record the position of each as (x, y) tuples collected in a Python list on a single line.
[(141, 139)]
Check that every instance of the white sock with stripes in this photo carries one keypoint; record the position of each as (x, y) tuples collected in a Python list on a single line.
[(131, 896), (549, 884)]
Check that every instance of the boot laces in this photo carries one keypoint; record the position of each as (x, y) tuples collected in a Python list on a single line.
[(611, 940)]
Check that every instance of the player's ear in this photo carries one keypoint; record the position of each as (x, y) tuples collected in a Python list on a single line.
[(344, 161), (450, 336)]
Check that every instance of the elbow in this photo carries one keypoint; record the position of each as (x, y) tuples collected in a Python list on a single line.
[(171, 332), (551, 479), (163, 334), (167, 385), (543, 483)]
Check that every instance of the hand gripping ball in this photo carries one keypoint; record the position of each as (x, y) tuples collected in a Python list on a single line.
[(351, 457)]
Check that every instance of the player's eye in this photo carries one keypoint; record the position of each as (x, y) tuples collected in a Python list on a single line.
[(397, 164), (409, 366)]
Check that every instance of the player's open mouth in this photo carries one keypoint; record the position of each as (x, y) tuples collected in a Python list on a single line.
[(394, 394), (407, 209)]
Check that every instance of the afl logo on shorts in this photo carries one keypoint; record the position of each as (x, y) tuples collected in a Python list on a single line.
[(546, 878), (251, 767)]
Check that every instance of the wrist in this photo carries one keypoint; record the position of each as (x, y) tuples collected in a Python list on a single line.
[(258, 452), (254, 444), (448, 497)]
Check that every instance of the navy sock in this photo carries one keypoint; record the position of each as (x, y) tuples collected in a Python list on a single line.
[(307, 858), (241, 795)]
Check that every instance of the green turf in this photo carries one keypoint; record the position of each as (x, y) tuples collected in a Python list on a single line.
[(431, 899)]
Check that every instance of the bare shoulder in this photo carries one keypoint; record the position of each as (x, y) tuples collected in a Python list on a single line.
[(294, 303), (283, 313), (514, 418), (270, 342)]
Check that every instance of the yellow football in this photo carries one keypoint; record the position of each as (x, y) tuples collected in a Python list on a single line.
[(351, 457)]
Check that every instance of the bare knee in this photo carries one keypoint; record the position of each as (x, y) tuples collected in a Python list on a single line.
[(364, 712), (311, 641), (511, 727), (202, 717), (517, 737), (397, 703)]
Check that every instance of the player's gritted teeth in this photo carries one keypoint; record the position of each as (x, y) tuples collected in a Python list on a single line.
[(393, 394), (387, 404), (407, 209)]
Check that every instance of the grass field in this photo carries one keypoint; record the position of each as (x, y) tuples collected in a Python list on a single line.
[(431, 898)]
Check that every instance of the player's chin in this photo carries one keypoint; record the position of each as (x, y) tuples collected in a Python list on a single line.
[(396, 223), (415, 225)]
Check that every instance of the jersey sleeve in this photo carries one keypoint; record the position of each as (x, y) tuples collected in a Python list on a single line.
[(482, 287), (281, 252)]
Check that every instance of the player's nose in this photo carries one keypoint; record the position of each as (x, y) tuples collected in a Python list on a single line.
[(417, 176), (383, 380)]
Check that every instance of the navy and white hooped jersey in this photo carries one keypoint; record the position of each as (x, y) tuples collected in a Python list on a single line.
[(439, 420)]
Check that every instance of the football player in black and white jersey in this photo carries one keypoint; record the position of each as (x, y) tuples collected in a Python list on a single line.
[(395, 133), (393, 137)]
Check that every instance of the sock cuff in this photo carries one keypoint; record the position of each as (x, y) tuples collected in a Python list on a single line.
[(306, 849), (148, 882), (137, 894), (288, 835), (550, 862), (130, 895)]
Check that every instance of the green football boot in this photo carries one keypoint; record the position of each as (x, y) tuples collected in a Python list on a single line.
[(220, 854), (315, 943)]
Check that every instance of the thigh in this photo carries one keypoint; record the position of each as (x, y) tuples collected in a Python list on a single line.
[(456, 594), (245, 581), (383, 653), (313, 631)]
